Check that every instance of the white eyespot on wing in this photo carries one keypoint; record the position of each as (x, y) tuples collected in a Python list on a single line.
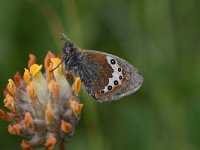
[(117, 76)]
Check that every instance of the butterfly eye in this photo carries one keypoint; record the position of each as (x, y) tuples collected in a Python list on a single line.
[(116, 82), (109, 87), (119, 69), (102, 91), (112, 61), (120, 77)]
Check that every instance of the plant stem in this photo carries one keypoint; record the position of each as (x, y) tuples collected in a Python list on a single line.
[(62, 146)]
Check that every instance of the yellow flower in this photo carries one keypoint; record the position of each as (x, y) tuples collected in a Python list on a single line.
[(54, 88), (9, 102), (75, 106), (27, 76), (77, 86), (49, 115), (31, 92), (11, 87), (35, 68)]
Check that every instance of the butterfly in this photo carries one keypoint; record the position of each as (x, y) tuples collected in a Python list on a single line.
[(104, 76)]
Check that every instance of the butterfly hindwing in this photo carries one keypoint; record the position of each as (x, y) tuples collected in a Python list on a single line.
[(107, 77)]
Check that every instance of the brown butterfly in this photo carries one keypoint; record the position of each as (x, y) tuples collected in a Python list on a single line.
[(104, 76)]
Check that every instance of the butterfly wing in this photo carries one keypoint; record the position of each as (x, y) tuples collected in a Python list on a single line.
[(107, 77)]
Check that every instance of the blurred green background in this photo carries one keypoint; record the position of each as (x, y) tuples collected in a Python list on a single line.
[(160, 37)]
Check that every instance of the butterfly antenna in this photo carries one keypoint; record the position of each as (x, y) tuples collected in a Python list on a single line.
[(63, 59), (64, 38)]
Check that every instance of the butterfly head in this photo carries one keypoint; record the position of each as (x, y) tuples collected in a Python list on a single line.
[(69, 48), (71, 53)]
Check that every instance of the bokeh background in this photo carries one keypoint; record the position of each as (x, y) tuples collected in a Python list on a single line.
[(160, 37)]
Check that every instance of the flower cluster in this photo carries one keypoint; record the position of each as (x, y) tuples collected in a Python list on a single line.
[(43, 107)]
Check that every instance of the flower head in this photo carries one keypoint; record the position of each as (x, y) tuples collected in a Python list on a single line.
[(42, 106)]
